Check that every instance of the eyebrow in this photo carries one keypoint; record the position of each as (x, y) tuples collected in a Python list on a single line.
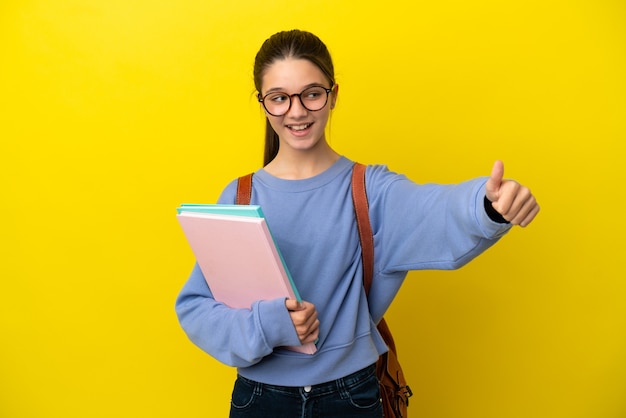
[(280, 89)]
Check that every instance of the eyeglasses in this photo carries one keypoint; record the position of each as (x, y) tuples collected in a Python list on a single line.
[(312, 99)]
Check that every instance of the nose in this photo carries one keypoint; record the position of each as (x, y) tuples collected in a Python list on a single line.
[(296, 109)]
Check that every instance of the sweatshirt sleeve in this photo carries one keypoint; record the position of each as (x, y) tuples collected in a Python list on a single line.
[(430, 226), (236, 337)]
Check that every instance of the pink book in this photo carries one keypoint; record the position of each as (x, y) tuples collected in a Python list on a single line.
[(239, 260)]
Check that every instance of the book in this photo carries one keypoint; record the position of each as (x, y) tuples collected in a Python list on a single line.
[(222, 209), (238, 256)]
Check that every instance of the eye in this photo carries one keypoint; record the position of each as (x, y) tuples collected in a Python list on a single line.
[(313, 93), (277, 98)]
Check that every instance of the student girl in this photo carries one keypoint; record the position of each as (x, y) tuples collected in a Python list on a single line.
[(304, 190)]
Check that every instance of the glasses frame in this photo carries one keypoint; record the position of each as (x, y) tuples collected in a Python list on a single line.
[(299, 95)]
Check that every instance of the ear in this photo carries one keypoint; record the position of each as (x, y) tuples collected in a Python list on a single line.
[(334, 96), (258, 98)]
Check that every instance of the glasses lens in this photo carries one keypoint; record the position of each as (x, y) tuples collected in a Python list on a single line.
[(314, 98), (276, 103)]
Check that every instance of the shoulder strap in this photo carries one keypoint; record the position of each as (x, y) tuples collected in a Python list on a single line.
[(361, 210), (244, 189)]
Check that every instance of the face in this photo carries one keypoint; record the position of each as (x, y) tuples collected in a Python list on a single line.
[(299, 129)]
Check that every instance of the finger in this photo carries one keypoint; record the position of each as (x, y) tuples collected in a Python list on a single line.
[(294, 305), (523, 207), (516, 202), (530, 216), (303, 318), (506, 197), (313, 335), (495, 181), (308, 329)]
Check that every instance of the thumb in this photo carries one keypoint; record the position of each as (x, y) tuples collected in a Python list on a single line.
[(294, 305), (495, 181)]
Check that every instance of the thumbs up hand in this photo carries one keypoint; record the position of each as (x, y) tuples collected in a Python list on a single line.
[(510, 199)]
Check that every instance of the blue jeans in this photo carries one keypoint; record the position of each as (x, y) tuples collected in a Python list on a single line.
[(353, 396)]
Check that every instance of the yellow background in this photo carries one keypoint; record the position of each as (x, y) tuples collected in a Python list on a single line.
[(114, 112)]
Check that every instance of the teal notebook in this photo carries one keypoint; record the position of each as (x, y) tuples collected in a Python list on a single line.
[(253, 211)]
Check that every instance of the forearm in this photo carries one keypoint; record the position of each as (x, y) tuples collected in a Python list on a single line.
[(237, 337)]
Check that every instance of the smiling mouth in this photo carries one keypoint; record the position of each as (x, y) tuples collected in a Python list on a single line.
[(300, 127)]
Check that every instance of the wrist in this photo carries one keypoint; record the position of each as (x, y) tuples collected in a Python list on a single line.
[(493, 214)]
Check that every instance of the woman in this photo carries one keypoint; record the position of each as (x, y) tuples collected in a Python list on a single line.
[(304, 190)]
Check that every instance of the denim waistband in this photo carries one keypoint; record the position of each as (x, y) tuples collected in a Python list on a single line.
[(322, 388)]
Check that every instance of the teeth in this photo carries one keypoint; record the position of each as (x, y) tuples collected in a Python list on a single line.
[(299, 127)]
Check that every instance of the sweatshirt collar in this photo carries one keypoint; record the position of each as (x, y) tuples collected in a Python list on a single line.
[(325, 177)]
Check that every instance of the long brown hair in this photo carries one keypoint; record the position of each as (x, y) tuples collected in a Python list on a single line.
[(295, 44)]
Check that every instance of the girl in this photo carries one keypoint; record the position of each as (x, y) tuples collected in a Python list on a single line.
[(304, 190)]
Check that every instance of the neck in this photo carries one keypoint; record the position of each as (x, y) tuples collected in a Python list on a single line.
[(298, 165)]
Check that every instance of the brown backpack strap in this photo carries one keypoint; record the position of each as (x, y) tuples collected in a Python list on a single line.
[(244, 189), (361, 210), (366, 236), (395, 393)]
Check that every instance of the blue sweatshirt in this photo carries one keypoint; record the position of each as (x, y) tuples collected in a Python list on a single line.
[(415, 227)]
